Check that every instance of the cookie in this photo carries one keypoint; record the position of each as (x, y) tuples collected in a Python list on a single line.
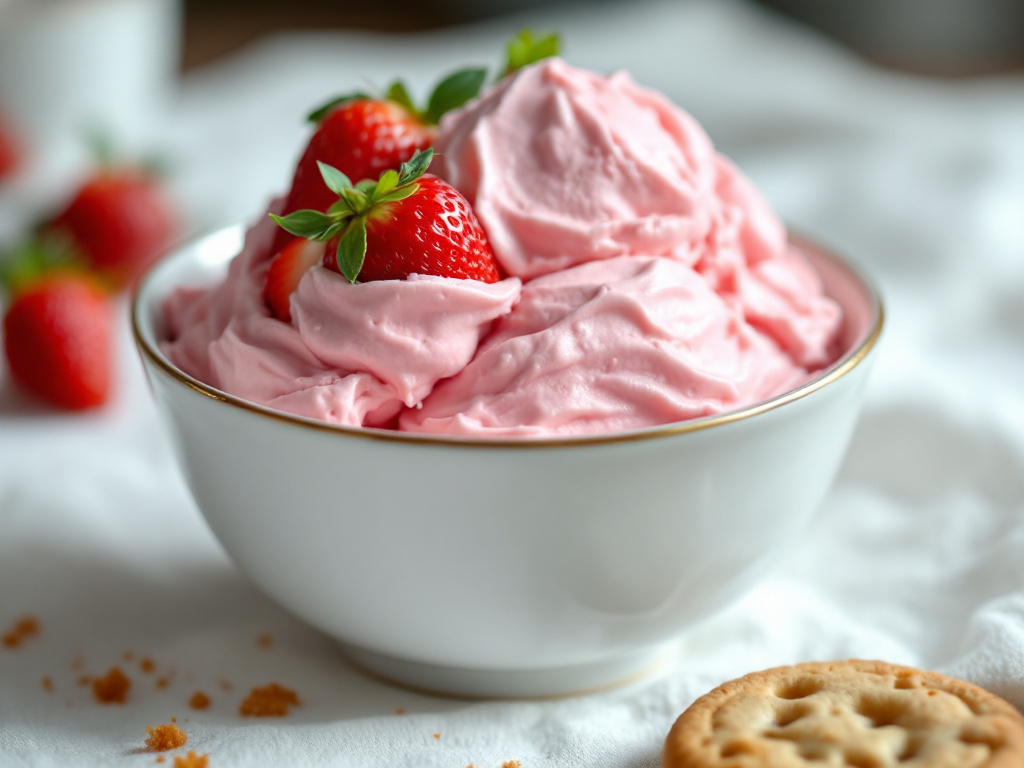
[(847, 714)]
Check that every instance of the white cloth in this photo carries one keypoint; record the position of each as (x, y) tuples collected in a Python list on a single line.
[(916, 557)]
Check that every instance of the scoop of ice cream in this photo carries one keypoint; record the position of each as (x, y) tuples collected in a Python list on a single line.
[(610, 345), (353, 354), (564, 166)]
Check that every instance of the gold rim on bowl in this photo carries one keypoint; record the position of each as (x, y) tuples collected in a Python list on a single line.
[(839, 369)]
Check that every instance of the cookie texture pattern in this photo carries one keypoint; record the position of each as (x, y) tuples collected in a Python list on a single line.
[(847, 714)]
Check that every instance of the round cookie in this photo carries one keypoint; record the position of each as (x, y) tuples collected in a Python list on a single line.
[(847, 714)]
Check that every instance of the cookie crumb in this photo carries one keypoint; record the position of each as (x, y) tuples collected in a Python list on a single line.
[(161, 759), (399, 710), (112, 688), (165, 737), (174, 719), (85, 680), (437, 735), (225, 685), (199, 700), (161, 682), (146, 664), (264, 640), (24, 628), (269, 701), (128, 656), (48, 685), (191, 760), (511, 764)]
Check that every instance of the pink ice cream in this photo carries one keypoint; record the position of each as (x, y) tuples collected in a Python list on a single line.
[(353, 354), (648, 283), (606, 346)]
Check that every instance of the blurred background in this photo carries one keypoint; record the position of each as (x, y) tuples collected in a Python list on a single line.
[(935, 37), (71, 66), (181, 79)]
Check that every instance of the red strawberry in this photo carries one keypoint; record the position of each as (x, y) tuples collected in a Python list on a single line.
[(405, 223), (363, 136), (58, 336), (10, 155), (286, 270), (120, 222), (432, 232)]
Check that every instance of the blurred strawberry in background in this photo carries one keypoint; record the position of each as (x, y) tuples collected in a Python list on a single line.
[(118, 222), (10, 152), (59, 323), (59, 340)]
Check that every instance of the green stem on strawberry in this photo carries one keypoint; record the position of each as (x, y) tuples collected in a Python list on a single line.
[(524, 49), (346, 219), (456, 89), (453, 91), (43, 253)]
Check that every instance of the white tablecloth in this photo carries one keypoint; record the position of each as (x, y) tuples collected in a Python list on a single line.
[(917, 556)]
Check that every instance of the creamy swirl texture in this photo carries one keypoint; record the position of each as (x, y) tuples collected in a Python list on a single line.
[(648, 282)]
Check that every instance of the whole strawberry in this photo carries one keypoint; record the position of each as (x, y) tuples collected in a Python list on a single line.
[(362, 136), (407, 222), (119, 222), (58, 339)]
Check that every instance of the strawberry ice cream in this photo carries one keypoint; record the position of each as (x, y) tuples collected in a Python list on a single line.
[(353, 354), (647, 282)]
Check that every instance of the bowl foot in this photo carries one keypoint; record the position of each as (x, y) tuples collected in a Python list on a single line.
[(511, 683)]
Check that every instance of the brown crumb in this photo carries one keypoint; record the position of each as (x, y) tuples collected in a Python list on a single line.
[(162, 682), (174, 719), (48, 685), (269, 701), (199, 700), (437, 735), (399, 710), (225, 685), (191, 760), (161, 759), (113, 688), (511, 764), (146, 664), (85, 680), (264, 640), (128, 656), (22, 629), (165, 737)]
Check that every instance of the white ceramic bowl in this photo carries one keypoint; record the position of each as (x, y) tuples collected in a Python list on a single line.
[(505, 567)]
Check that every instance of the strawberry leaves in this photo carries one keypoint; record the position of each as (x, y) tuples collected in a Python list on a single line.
[(351, 251), (524, 50), (318, 114), (454, 91), (347, 217)]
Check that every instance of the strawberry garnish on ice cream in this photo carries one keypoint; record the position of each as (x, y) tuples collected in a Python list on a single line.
[(362, 136), (285, 272), (407, 222)]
